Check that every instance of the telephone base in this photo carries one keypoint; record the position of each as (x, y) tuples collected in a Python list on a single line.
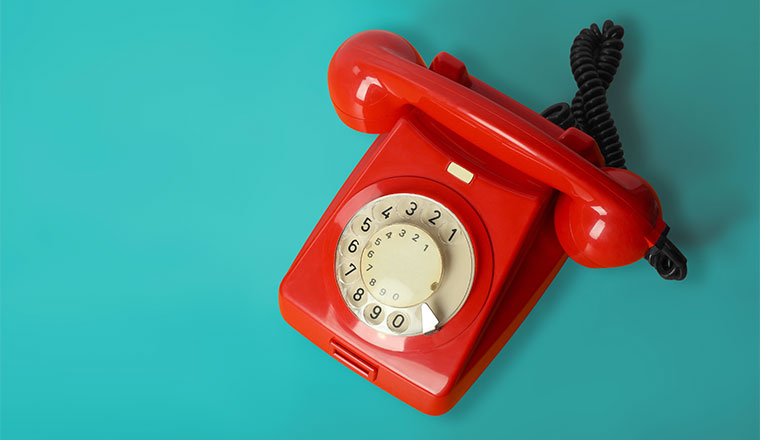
[(518, 300)]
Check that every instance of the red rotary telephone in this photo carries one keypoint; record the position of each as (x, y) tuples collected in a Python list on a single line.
[(459, 216)]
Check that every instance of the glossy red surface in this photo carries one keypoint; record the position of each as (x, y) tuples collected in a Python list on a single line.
[(376, 76), (424, 371), (522, 165)]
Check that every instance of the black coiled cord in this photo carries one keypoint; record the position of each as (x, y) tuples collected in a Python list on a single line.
[(594, 59)]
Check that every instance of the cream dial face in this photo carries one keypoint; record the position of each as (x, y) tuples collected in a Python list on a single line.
[(404, 264)]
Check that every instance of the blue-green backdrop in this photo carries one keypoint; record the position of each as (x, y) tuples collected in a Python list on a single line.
[(164, 161)]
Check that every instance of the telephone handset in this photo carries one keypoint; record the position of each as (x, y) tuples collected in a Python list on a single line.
[(626, 206), (454, 223)]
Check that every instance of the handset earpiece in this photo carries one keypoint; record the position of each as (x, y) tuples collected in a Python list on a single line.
[(603, 217)]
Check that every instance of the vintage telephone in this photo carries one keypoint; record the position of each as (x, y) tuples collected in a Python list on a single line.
[(460, 215)]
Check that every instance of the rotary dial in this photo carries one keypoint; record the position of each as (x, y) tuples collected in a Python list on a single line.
[(404, 264)]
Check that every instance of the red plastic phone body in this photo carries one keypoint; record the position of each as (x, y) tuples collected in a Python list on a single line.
[(508, 210)]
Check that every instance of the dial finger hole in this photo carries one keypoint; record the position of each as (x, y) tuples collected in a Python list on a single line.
[(349, 272), (409, 207), (362, 225), (356, 295), (450, 233), (374, 313), (398, 322), (350, 246), (384, 211), (434, 216)]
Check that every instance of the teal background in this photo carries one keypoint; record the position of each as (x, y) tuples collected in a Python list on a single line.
[(164, 162)]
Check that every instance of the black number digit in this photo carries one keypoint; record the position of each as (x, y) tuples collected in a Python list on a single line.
[(389, 234), (398, 321), (376, 311), (353, 246), (402, 233), (387, 211), (358, 294), (453, 231), (426, 246), (370, 254), (366, 224), (372, 282), (353, 268), (416, 236), (378, 241), (369, 266), (435, 217), (414, 208)]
